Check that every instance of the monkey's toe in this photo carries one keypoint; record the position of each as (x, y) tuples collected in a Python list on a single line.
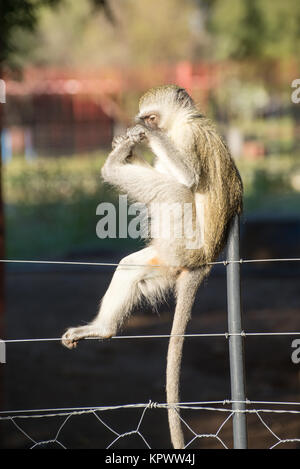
[(69, 339), (72, 336), (70, 344)]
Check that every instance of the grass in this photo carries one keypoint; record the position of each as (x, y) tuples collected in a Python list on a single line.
[(50, 204)]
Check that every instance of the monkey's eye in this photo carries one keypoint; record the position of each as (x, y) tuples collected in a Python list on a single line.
[(151, 120)]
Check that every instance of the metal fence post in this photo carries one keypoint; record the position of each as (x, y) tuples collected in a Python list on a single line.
[(236, 349)]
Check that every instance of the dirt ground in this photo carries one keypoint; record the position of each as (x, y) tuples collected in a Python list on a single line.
[(42, 375)]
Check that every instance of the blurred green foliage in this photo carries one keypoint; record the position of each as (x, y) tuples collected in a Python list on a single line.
[(51, 203), (260, 29), (143, 32), (75, 34), (18, 15), (52, 180), (272, 185), (19, 20)]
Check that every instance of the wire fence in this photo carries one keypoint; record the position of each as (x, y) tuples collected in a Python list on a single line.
[(236, 409), (64, 415)]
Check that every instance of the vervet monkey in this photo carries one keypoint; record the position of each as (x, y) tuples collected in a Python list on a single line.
[(193, 166)]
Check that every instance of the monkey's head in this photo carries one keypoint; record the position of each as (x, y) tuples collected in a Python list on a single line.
[(159, 105)]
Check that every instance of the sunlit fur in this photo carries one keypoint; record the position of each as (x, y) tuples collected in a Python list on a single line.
[(215, 176), (213, 179), (193, 166)]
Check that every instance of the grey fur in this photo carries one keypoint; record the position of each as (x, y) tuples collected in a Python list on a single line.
[(193, 164)]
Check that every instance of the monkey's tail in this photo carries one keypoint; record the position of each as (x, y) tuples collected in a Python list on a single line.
[(186, 288)]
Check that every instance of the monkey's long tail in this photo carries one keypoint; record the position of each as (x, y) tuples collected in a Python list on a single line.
[(186, 288)]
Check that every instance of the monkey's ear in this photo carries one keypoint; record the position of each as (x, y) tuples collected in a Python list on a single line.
[(183, 98), (181, 94)]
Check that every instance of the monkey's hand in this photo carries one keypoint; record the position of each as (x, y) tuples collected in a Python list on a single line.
[(122, 152), (117, 140), (133, 136), (136, 134)]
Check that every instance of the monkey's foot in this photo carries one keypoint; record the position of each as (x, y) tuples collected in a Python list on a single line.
[(72, 336)]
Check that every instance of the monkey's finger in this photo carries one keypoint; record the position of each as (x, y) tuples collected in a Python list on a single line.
[(136, 130), (117, 140), (136, 136)]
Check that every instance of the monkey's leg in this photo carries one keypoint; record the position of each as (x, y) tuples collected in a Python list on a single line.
[(134, 277)]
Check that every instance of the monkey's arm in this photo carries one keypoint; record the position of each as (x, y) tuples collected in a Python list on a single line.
[(184, 167), (142, 182)]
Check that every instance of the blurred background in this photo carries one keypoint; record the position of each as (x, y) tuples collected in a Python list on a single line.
[(73, 74)]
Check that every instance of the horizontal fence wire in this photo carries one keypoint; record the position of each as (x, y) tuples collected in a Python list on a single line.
[(195, 405), (110, 264), (157, 336), (68, 413), (211, 406), (226, 335)]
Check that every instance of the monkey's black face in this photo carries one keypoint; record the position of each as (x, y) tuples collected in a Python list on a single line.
[(150, 120)]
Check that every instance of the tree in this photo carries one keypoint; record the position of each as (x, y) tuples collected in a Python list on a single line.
[(260, 29), (17, 14), (74, 35)]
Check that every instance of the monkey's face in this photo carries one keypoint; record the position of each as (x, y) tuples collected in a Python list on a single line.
[(157, 115), (150, 120), (164, 107)]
